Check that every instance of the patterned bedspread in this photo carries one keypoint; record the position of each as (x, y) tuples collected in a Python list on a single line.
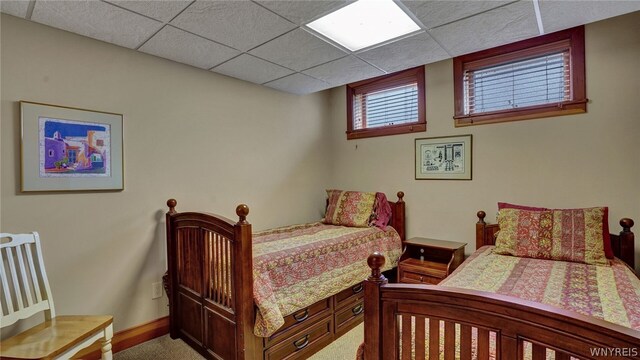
[(296, 266), (611, 292)]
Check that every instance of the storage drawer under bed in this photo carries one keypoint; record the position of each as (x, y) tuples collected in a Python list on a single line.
[(303, 343), (348, 317), (348, 296), (293, 323)]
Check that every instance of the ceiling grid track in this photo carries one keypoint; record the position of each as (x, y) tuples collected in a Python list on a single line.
[(32, 5), (536, 8)]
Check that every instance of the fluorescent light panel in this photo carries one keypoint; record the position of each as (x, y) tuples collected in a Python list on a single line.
[(365, 23)]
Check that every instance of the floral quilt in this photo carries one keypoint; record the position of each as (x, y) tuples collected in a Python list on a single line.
[(296, 266)]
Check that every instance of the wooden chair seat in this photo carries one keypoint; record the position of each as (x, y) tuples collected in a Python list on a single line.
[(54, 337), (25, 291)]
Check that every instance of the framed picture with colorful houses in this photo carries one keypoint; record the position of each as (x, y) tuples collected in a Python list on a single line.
[(70, 149)]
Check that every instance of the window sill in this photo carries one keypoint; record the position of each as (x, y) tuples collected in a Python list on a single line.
[(533, 112), (386, 130)]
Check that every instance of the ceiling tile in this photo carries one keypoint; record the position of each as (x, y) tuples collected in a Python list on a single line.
[(239, 24), (181, 46), (554, 13), (298, 50), (159, 10), (439, 12), (344, 71), (496, 27), (96, 19), (15, 8), (303, 11), (413, 51), (298, 84), (253, 69)]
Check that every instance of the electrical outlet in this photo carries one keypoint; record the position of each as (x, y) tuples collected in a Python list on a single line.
[(156, 290)]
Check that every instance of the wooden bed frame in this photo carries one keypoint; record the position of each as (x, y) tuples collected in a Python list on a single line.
[(218, 320), (512, 321)]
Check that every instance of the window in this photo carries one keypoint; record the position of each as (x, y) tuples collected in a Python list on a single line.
[(387, 105), (72, 156), (535, 78)]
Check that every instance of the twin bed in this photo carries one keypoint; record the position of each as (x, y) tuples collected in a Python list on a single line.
[(277, 294), (506, 307), (286, 293)]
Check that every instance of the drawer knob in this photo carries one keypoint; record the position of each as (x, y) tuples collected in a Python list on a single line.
[(421, 278), (358, 288), (301, 343), (300, 317), (357, 310)]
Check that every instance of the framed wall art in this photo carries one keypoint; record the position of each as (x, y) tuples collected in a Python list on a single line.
[(443, 158), (70, 149)]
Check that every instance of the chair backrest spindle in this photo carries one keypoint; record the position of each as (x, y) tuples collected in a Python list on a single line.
[(23, 273), (22, 276)]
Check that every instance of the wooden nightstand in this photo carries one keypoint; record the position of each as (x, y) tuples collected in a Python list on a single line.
[(429, 261)]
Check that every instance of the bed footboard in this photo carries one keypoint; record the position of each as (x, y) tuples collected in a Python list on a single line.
[(405, 321), (210, 285)]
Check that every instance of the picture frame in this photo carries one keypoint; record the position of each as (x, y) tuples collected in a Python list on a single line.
[(70, 149), (443, 158)]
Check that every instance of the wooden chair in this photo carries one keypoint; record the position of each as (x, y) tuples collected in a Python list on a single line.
[(25, 292)]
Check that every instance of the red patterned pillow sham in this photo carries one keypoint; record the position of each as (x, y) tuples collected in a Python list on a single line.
[(568, 235), (577, 235), (349, 208), (606, 237), (525, 233)]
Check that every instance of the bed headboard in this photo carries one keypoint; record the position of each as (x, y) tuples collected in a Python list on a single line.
[(623, 244)]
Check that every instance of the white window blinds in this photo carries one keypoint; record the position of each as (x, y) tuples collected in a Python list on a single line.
[(391, 106), (540, 80)]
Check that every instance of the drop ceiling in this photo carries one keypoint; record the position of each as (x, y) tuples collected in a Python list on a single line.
[(266, 42)]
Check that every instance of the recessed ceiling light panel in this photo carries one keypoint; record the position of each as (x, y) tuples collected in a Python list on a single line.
[(365, 23)]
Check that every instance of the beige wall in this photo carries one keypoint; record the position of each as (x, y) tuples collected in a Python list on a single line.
[(208, 140), (571, 161)]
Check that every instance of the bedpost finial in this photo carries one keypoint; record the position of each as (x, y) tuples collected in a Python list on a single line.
[(400, 196), (171, 203), (626, 224), (481, 215), (376, 262), (242, 211)]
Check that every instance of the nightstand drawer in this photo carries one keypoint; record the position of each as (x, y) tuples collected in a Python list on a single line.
[(417, 278), (428, 268)]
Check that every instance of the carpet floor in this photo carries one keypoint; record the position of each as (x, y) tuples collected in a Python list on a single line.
[(164, 348)]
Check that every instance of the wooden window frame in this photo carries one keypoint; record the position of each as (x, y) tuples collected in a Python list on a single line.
[(573, 39), (380, 83)]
